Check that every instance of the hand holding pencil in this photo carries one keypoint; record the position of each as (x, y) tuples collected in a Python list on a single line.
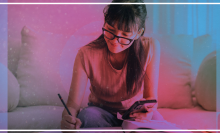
[(69, 120)]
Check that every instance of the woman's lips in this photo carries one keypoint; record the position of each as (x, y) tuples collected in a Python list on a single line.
[(113, 45)]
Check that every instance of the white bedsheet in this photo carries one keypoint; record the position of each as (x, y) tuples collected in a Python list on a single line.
[(193, 118), (35, 117), (49, 117)]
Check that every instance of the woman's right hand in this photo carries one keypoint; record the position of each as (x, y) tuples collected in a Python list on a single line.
[(68, 121)]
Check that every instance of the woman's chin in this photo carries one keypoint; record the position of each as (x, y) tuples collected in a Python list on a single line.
[(115, 51)]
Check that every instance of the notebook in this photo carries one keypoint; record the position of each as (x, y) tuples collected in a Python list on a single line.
[(150, 125)]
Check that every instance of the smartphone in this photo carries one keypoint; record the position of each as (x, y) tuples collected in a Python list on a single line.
[(139, 106)]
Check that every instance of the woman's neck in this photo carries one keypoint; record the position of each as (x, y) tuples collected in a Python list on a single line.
[(118, 59)]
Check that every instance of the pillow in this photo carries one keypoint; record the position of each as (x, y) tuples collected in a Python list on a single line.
[(218, 121), (201, 48), (218, 79), (205, 84), (38, 68), (3, 89), (14, 48), (13, 92), (174, 89)]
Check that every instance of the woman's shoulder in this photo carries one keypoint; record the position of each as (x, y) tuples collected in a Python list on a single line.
[(91, 48), (91, 51), (150, 42), (151, 46)]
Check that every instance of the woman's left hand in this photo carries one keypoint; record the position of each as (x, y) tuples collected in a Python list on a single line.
[(143, 116)]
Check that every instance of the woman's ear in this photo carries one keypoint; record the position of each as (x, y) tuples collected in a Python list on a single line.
[(104, 24), (139, 33)]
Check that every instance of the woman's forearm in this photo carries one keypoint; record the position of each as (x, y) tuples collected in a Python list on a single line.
[(78, 86), (76, 92)]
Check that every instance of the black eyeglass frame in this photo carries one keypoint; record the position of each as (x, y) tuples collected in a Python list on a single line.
[(103, 29)]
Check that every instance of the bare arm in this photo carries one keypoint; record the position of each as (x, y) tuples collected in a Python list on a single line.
[(150, 82), (78, 86), (152, 73)]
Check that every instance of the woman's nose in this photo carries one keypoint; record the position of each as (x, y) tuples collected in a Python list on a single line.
[(115, 40)]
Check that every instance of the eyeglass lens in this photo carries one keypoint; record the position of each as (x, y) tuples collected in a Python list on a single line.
[(120, 40)]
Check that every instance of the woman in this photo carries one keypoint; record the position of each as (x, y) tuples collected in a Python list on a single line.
[(122, 66)]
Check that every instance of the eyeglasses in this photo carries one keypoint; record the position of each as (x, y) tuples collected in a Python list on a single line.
[(111, 36)]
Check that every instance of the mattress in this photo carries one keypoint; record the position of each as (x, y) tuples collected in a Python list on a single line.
[(49, 117), (193, 118)]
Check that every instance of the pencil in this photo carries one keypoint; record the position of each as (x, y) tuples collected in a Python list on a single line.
[(64, 104)]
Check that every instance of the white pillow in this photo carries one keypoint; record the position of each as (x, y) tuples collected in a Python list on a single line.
[(38, 68), (205, 85), (218, 121), (14, 48), (13, 92), (201, 48), (174, 89)]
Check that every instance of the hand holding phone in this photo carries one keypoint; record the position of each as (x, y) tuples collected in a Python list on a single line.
[(139, 106)]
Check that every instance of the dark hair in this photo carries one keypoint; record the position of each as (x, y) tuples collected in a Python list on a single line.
[(128, 17)]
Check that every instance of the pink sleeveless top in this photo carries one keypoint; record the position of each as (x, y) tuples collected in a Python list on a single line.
[(108, 85)]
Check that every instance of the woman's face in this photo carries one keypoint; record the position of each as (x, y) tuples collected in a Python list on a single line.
[(113, 45)]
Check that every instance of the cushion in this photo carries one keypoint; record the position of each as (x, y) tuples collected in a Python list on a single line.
[(218, 81), (13, 92), (205, 85), (174, 90), (202, 47), (14, 48), (218, 121), (38, 68), (35, 117), (3, 88)]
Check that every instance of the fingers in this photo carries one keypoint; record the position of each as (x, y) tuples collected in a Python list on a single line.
[(147, 106), (140, 120), (142, 99), (69, 122), (138, 115), (67, 125), (142, 116), (78, 123), (148, 109), (70, 119)]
